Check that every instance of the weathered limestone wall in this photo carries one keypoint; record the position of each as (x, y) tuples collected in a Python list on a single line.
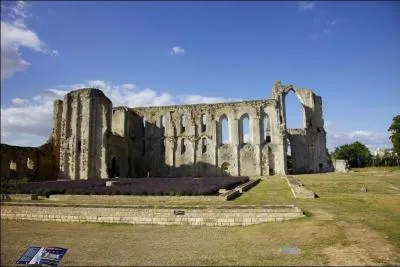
[(239, 216), (86, 121), (309, 143), (187, 139), (56, 133), (120, 162), (90, 139), (341, 165), (33, 163)]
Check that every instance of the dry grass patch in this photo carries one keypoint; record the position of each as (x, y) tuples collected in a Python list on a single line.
[(346, 227)]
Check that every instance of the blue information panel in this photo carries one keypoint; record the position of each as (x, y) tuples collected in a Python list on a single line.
[(42, 256)]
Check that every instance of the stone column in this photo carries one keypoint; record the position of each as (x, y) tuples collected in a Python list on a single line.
[(214, 143), (234, 134), (255, 130)]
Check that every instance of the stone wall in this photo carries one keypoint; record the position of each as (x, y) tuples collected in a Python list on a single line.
[(308, 144), (33, 163), (85, 124), (341, 165), (90, 139), (196, 148), (216, 216)]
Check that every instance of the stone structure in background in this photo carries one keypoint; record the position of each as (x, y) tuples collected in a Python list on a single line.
[(92, 140), (341, 165)]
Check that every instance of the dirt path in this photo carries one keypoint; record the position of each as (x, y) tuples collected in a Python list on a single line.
[(366, 247)]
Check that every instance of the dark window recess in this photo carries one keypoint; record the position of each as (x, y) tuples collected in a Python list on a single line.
[(268, 139), (162, 146), (318, 130), (203, 128), (204, 149), (79, 148), (183, 129), (183, 147), (179, 212), (143, 148)]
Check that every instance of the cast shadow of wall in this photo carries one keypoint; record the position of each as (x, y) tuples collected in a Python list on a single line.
[(149, 155)]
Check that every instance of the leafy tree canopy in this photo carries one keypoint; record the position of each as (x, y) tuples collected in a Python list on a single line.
[(357, 154), (394, 129)]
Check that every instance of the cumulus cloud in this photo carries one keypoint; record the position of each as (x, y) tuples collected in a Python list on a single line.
[(15, 34), (305, 5), (28, 122), (177, 50), (196, 99), (372, 140)]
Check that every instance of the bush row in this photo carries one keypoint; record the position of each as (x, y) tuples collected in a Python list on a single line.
[(134, 186)]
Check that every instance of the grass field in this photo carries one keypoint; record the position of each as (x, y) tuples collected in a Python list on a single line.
[(345, 227)]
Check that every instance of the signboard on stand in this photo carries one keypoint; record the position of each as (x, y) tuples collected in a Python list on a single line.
[(42, 256)]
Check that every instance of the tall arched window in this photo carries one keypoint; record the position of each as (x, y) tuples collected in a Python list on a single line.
[(266, 129), (183, 146), (294, 111), (162, 145), (203, 145), (244, 129), (203, 123), (144, 126), (288, 148), (143, 147), (224, 130), (183, 123), (163, 122), (289, 157)]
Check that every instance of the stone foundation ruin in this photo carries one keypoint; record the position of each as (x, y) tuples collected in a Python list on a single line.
[(93, 140)]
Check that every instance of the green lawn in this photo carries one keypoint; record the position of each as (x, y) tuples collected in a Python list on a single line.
[(346, 227)]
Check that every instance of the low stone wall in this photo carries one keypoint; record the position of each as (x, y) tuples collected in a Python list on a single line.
[(130, 197), (298, 189), (215, 216)]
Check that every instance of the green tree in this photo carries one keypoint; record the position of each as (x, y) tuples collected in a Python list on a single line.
[(357, 154), (394, 129)]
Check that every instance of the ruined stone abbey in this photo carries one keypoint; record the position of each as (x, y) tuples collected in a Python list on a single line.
[(93, 140)]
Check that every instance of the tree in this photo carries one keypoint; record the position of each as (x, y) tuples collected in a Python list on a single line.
[(394, 129), (357, 154)]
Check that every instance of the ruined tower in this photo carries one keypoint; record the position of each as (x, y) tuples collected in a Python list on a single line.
[(85, 123)]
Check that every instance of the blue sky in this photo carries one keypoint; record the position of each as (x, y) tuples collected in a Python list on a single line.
[(152, 53)]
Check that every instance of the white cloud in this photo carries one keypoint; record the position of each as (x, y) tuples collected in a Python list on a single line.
[(305, 5), (19, 101), (29, 121), (196, 99), (329, 24), (16, 34), (177, 50), (372, 140)]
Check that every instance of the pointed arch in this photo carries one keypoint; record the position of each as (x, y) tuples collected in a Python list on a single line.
[(203, 122), (203, 145), (265, 128), (244, 129), (183, 122), (294, 111), (224, 135)]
